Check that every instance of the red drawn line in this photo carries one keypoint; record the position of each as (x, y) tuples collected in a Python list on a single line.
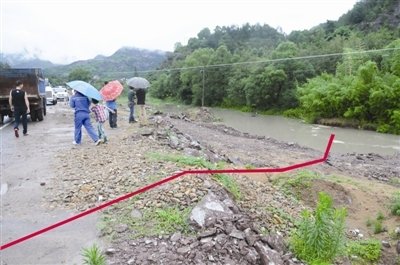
[(165, 180)]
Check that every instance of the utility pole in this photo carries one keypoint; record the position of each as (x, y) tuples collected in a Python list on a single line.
[(202, 97)]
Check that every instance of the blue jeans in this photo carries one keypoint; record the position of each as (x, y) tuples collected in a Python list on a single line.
[(131, 112), (18, 113), (83, 118), (100, 132)]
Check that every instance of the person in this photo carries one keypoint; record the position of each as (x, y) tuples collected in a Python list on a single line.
[(112, 114), (131, 104), (81, 105), (141, 101), (100, 116), (19, 104)]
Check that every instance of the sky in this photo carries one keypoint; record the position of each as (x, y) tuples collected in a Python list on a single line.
[(66, 31)]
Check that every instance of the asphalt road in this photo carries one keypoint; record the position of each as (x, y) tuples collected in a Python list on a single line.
[(26, 166)]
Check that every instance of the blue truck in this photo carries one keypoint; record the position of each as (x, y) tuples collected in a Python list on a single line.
[(34, 86)]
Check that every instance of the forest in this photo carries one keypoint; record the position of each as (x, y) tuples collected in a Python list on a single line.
[(344, 72)]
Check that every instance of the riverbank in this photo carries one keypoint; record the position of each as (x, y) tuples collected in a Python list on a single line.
[(259, 210), (153, 226)]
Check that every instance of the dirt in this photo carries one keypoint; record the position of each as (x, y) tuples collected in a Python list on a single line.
[(65, 179)]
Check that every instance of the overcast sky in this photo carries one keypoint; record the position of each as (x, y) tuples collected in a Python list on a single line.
[(65, 31)]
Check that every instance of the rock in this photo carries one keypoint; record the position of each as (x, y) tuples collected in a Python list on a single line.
[(237, 234), (207, 233), (183, 250), (398, 247), (210, 208), (110, 251), (276, 242), (267, 256), (175, 237), (386, 244), (136, 214)]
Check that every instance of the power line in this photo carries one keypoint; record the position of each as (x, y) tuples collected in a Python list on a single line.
[(203, 67)]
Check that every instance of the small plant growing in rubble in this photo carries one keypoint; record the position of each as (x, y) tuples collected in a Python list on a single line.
[(365, 250), (93, 256), (320, 235), (395, 204)]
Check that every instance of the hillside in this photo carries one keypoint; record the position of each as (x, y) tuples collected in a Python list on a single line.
[(21, 60), (123, 62)]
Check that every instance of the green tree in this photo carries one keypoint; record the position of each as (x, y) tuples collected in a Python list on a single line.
[(80, 74)]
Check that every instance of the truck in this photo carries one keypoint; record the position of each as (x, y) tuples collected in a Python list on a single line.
[(34, 86)]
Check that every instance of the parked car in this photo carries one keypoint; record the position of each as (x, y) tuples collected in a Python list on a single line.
[(51, 97), (61, 93)]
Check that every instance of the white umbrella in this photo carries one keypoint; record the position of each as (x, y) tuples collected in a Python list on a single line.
[(138, 82)]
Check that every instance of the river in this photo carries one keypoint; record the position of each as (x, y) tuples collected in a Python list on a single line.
[(347, 140)]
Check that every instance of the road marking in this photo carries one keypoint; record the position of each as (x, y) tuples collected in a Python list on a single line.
[(6, 124)]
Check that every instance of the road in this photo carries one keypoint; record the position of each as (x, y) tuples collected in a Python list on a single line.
[(26, 167)]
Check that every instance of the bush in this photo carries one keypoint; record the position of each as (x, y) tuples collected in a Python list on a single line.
[(395, 204), (320, 235), (93, 256), (368, 250)]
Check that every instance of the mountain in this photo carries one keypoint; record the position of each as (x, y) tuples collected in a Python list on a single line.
[(23, 60), (123, 63)]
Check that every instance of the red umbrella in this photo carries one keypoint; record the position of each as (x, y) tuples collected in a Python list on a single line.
[(111, 90)]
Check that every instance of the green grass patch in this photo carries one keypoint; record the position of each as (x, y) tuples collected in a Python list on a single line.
[(160, 221), (366, 251), (293, 184), (153, 222), (230, 184), (320, 235), (226, 181)]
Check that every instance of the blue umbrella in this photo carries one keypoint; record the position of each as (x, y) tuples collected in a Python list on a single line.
[(85, 89)]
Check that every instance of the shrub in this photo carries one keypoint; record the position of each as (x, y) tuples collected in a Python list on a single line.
[(93, 256), (368, 250), (320, 235), (395, 204)]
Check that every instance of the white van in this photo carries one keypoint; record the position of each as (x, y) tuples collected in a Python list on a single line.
[(61, 93), (51, 97)]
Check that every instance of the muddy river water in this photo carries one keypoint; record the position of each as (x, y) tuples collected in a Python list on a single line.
[(347, 140)]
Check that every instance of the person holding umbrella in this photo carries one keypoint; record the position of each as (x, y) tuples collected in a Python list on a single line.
[(131, 104), (140, 84), (81, 104), (112, 115)]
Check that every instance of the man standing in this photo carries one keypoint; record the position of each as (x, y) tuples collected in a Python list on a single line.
[(19, 104), (131, 104)]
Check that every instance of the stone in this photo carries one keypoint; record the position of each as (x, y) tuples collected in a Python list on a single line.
[(209, 208), (176, 236), (268, 256)]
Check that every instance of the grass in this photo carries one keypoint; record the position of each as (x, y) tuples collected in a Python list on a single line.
[(93, 256), (377, 224), (159, 221), (225, 180), (365, 251), (293, 184)]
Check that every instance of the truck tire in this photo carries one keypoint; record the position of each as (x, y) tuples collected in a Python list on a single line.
[(39, 114), (44, 107), (33, 115)]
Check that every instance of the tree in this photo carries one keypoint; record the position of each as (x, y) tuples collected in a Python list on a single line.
[(80, 74)]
